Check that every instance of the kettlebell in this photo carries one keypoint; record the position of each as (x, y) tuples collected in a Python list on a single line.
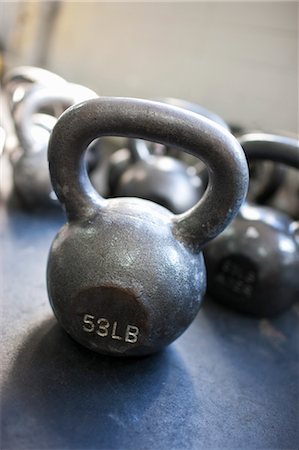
[(253, 266), (30, 166), (125, 276)]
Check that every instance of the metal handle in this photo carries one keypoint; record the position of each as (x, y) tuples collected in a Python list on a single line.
[(28, 75), (168, 125), (39, 97), (271, 147)]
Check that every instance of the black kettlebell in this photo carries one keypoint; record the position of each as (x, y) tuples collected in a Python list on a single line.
[(29, 160), (253, 265), (125, 276)]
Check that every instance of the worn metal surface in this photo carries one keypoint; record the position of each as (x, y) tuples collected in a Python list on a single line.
[(228, 382), (125, 276), (253, 265)]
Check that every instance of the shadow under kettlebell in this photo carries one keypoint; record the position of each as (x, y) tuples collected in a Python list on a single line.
[(60, 395)]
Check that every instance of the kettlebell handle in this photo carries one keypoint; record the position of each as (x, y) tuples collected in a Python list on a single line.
[(270, 147), (29, 75), (38, 97), (32, 74), (81, 124)]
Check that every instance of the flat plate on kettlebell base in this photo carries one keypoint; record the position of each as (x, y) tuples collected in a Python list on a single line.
[(228, 382)]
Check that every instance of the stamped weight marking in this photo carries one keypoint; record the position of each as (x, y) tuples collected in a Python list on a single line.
[(102, 327), (237, 274)]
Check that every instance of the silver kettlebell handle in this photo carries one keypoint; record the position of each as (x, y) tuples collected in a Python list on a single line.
[(168, 125)]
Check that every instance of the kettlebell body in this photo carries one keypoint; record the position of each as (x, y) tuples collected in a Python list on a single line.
[(120, 298), (125, 276), (253, 265), (164, 180)]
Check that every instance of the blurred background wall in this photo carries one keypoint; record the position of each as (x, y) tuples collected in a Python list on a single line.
[(238, 59)]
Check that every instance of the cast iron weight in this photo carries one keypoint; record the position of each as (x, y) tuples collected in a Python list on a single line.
[(253, 266), (125, 276)]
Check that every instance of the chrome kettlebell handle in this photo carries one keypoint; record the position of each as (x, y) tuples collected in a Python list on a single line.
[(168, 125)]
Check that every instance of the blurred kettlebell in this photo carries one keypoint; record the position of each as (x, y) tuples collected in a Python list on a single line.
[(253, 265), (125, 276), (161, 178), (286, 198), (277, 185), (29, 160), (266, 177), (18, 79)]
